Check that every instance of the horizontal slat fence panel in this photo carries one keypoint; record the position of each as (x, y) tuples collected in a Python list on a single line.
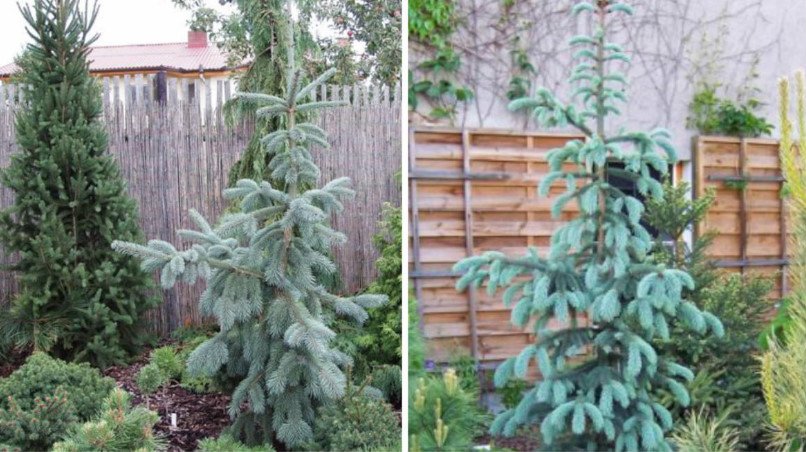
[(175, 155), (749, 214), (505, 213), (502, 212)]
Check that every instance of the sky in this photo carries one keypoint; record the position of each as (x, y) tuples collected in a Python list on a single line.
[(119, 22)]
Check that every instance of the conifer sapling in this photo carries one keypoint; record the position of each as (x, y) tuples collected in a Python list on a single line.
[(599, 371), (265, 266)]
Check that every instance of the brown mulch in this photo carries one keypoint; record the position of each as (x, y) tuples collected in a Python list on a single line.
[(519, 443), (198, 416)]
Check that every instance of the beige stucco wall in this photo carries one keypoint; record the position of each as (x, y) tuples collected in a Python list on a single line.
[(664, 38)]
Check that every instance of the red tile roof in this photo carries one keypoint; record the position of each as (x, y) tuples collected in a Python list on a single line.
[(177, 57)]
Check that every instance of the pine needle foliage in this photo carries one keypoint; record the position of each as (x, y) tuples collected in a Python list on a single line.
[(264, 266), (443, 416), (78, 298), (44, 398), (782, 375), (356, 422), (671, 216), (600, 370), (39, 426), (226, 443), (117, 428)]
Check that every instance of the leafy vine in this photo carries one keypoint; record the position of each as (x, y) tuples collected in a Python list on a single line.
[(431, 24)]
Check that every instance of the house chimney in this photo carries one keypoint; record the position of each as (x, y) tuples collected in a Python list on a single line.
[(197, 39)]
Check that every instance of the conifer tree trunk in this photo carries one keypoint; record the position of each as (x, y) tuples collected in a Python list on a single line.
[(78, 298)]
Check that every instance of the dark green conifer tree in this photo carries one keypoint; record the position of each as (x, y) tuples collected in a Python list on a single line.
[(266, 267), (78, 298), (269, 30), (600, 371)]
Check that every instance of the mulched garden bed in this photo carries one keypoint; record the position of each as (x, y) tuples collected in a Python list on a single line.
[(198, 416)]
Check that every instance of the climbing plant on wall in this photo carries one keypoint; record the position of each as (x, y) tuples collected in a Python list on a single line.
[(431, 24)]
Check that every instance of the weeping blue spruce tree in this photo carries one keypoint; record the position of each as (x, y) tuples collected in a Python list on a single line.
[(600, 374), (265, 267)]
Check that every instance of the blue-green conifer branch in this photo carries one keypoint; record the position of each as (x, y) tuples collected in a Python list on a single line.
[(265, 268), (600, 372)]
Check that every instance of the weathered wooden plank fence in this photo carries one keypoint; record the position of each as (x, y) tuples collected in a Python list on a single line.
[(473, 191), (175, 155)]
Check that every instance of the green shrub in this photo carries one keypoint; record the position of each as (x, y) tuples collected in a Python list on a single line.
[(388, 379), (166, 359), (465, 367), (739, 302), (356, 422), (190, 333), (442, 415), (375, 346), (42, 375), (385, 323), (714, 115), (512, 392), (39, 426), (167, 364), (118, 428), (150, 378), (225, 443), (726, 369), (196, 383), (702, 432)]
